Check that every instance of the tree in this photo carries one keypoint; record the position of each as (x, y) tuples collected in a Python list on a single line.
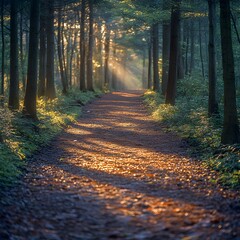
[(90, 49), (155, 37), (60, 48), (50, 85), (212, 78), (82, 47), (31, 89), (106, 57), (3, 51), (43, 51), (150, 62), (14, 75), (174, 51), (165, 49), (230, 132)]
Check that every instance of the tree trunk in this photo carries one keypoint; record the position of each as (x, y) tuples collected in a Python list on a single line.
[(155, 34), (90, 49), (165, 55), (212, 78), (31, 88), (60, 53), (230, 133), (3, 53), (173, 61), (200, 48), (107, 53), (192, 47), (14, 75), (114, 68), (180, 64), (82, 47), (99, 71), (42, 52), (150, 63), (50, 85), (186, 45), (144, 85)]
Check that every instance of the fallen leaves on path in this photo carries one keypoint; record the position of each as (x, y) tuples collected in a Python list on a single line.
[(116, 175)]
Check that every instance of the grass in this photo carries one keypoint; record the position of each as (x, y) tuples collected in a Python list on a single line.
[(20, 137), (203, 134)]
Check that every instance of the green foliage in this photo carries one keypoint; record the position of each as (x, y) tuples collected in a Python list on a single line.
[(190, 120), (21, 137)]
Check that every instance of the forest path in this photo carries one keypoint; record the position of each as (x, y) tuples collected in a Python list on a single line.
[(116, 175)]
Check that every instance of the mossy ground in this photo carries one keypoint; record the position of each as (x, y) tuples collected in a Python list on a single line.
[(203, 134), (21, 137)]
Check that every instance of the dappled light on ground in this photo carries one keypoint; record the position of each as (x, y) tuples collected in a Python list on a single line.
[(116, 175)]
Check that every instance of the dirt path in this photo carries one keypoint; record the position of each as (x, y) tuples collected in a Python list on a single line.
[(116, 175)]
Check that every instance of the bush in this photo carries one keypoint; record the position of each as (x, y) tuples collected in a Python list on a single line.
[(21, 137), (203, 134)]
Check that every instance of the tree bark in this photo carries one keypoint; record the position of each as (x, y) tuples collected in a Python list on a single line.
[(144, 85), (30, 100), (14, 75), (230, 133), (3, 53), (192, 47), (23, 77), (90, 49), (82, 47), (107, 53), (212, 78), (200, 49), (43, 51), (173, 61), (60, 53), (165, 55), (50, 85), (155, 34), (150, 63)]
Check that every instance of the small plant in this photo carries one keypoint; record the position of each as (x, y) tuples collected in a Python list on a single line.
[(21, 137), (203, 134)]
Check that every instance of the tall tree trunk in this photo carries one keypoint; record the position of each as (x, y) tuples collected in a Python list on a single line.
[(50, 85), (60, 53), (212, 78), (31, 88), (192, 47), (23, 77), (114, 68), (173, 61), (3, 52), (99, 71), (82, 47), (230, 133), (186, 45), (107, 53), (144, 85), (165, 55), (150, 63), (71, 59), (155, 34), (43, 51), (14, 75), (180, 64), (63, 55), (90, 49), (200, 48)]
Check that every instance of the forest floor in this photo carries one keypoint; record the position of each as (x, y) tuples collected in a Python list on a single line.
[(115, 174)]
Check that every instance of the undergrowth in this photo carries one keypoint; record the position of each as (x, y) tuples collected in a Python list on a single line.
[(20, 137), (203, 134)]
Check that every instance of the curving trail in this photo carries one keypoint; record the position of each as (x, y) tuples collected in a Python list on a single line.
[(116, 175)]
